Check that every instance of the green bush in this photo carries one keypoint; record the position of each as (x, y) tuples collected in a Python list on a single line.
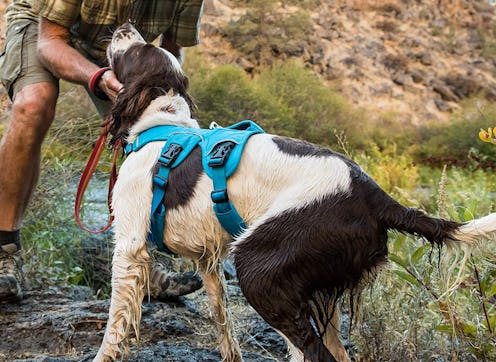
[(263, 33), (285, 99), (454, 140)]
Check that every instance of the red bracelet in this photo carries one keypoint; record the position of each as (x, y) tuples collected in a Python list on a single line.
[(93, 84)]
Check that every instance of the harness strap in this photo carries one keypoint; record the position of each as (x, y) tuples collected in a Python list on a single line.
[(167, 158), (88, 173), (226, 213)]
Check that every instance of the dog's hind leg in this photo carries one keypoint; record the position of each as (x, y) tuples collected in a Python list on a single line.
[(298, 329), (327, 318), (332, 339), (279, 301), (214, 282), (268, 281), (295, 354), (130, 272)]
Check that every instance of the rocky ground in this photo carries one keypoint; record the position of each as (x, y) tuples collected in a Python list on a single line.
[(67, 324)]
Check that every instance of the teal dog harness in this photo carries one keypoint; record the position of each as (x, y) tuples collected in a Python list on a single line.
[(221, 152)]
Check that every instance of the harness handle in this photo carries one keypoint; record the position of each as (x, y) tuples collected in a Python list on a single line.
[(88, 173)]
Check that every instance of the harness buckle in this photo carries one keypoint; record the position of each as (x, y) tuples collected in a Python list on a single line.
[(221, 153), (160, 181), (219, 196), (170, 155)]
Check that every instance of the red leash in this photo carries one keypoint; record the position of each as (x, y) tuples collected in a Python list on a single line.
[(88, 173)]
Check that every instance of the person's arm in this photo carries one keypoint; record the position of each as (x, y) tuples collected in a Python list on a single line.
[(65, 62)]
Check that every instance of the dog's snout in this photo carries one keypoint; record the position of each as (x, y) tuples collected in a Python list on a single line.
[(124, 36), (127, 32), (127, 26)]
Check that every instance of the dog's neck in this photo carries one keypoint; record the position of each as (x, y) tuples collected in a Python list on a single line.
[(164, 110)]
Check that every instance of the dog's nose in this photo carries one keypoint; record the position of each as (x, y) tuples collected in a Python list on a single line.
[(126, 26)]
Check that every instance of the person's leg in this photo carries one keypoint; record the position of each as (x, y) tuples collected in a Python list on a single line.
[(20, 150), (34, 93)]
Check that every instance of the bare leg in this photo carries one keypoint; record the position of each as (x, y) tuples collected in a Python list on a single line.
[(215, 286), (20, 150), (20, 153)]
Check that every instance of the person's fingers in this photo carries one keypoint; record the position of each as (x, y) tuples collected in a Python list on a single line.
[(111, 85)]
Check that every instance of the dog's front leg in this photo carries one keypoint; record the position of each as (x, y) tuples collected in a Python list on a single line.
[(130, 272), (214, 282)]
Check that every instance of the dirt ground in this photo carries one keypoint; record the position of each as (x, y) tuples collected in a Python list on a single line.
[(67, 324)]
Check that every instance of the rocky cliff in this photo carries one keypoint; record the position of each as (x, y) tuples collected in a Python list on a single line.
[(415, 58), (418, 59)]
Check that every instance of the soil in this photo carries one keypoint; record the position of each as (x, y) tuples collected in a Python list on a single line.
[(68, 323)]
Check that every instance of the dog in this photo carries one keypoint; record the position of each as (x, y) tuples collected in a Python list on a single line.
[(316, 222)]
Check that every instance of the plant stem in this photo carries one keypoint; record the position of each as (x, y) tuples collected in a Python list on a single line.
[(482, 297)]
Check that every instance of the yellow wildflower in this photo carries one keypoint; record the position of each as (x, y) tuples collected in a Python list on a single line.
[(489, 135)]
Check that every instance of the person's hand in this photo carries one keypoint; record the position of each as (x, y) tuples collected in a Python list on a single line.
[(110, 84)]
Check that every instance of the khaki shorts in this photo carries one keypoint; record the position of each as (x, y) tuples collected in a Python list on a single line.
[(19, 63), (20, 66)]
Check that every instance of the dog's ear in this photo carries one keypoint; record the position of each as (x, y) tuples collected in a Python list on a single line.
[(170, 92), (128, 107)]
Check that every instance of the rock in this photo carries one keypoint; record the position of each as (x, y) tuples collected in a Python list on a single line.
[(403, 79), (445, 92), (426, 58), (418, 76), (442, 105), (245, 64)]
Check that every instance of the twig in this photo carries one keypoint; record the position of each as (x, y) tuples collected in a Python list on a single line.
[(482, 297)]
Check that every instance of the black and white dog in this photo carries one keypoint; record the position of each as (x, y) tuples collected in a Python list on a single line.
[(317, 224)]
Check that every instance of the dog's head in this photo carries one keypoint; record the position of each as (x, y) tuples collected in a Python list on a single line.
[(147, 72)]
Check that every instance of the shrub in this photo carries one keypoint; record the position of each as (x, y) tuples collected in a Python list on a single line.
[(425, 308), (264, 33), (460, 137), (285, 99)]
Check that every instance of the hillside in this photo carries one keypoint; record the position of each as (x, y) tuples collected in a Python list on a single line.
[(417, 59)]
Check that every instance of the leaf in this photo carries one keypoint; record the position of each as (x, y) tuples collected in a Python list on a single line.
[(491, 291), (447, 328), (469, 328), (468, 214), (398, 260), (492, 321), (418, 254), (407, 277)]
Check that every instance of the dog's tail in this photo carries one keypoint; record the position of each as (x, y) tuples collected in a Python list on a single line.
[(441, 232), (437, 231)]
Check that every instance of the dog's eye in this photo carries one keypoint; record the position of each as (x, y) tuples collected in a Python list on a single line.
[(168, 109)]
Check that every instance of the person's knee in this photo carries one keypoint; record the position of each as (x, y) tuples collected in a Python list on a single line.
[(33, 109)]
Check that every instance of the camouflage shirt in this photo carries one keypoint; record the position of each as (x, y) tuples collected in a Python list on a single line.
[(91, 22)]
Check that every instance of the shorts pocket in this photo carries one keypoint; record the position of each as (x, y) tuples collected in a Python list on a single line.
[(11, 57)]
